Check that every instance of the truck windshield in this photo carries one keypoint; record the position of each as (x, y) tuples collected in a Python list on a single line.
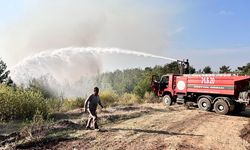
[(164, 82)]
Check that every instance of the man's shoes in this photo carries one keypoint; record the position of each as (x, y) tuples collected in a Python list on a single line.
[(97, 129)]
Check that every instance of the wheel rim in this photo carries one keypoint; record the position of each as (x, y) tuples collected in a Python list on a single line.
[(204, 104), (220, 107), (166, 100)]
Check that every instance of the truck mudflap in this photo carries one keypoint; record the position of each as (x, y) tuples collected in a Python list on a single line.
[(230, 104)]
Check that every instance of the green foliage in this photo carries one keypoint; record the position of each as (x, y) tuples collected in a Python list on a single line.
[(54, 105), (4, 74), (38, 118), (41, 85), (109, 98), (143, 86), (70, 104), (192, 70), (61, 105), (150, 97), (119, 81), (171, 68), (245, 70), (20, 104), (225, 69), (207, 69), (129, 99)]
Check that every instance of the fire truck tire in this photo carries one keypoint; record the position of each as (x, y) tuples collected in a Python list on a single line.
[(221, 107), (204, 104), (238, 108), (167, 100)]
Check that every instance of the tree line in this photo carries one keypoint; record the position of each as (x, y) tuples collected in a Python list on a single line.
[(135, 80)]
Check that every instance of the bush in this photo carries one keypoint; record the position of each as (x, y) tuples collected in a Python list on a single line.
[(129, 99), (108, 98), (38, 118), (18, 103), (149, 97), (54, 105), (70, 104)]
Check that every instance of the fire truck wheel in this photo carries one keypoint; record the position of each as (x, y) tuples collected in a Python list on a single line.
[(167, 100), (238, 108), (221, 107), (204, 104)]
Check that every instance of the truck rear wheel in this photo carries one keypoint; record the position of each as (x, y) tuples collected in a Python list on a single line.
[(204, 104), (221, 107), (239, 107), (167, 100)]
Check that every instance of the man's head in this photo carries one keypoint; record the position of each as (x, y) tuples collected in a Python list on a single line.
[(96, 90)]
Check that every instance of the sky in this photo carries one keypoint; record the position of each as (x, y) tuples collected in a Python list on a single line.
[(208, 33)]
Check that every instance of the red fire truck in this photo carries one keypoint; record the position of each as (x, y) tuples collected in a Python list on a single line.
[(223, 93)]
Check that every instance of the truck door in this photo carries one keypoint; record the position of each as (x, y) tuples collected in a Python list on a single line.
[(155, 82), (164, 83)]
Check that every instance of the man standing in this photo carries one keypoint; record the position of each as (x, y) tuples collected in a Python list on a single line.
[(90, 106)]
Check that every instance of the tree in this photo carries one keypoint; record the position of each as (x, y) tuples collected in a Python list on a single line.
[(143, 85), (225, 69), (199, 71), (207, 69), (172, 68), (4, 74), (245, 69), (42, 85), (192, 70)]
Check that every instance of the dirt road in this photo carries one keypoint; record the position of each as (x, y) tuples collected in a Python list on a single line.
[(156, 127)]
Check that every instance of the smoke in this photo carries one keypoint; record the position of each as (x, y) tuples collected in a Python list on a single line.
[(45, 24)]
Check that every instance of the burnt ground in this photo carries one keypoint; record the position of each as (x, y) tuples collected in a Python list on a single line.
[(148, 126)]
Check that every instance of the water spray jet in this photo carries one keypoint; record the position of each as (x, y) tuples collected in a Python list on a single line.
[(67, 65)]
